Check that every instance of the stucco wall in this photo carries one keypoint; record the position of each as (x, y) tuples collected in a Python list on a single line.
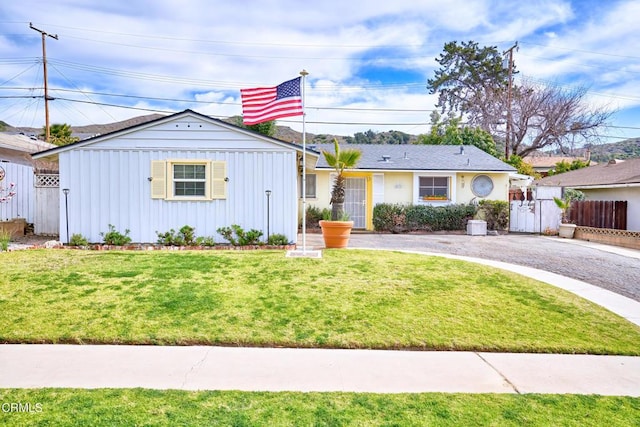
[(464, 193), (402, 187)]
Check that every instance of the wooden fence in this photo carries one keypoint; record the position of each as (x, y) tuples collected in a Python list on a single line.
[(599, 214)]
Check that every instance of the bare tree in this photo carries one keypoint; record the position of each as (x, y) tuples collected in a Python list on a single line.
[(552, 116), (472, 85)]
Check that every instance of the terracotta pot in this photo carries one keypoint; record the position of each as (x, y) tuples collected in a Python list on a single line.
[(336, 233)]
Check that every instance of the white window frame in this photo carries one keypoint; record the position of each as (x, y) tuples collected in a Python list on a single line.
[(204, 180), (451, 184)]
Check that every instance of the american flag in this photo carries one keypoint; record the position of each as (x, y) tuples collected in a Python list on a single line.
[(262, 104)]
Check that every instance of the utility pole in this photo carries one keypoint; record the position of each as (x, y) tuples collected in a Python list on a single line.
[(46, 90), (509, 88)]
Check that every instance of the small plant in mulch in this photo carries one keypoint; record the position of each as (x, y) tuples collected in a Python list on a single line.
[(237, 236), (115, 238), (184, 237), (278, 240), (78, 240)]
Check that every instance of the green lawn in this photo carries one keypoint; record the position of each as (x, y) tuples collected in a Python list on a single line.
[(72, 407), (348, 299)]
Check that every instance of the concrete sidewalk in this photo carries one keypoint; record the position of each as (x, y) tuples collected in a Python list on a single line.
[(321, 370)]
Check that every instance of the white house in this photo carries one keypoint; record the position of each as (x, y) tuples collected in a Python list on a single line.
[(183, 169), (17, 167)]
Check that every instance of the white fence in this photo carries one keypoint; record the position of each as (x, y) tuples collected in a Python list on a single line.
[(538, 215), (47, 212)]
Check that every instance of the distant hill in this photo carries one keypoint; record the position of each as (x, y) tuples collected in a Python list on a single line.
[(627, 149), (283, 133)]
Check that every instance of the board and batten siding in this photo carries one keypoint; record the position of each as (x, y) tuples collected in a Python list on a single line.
[(112, 187), (22, 205)]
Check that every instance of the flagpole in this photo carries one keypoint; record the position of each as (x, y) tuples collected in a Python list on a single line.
[(304, 75)]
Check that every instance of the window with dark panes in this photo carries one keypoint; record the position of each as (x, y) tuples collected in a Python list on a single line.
[(189, 179), (434, 186)]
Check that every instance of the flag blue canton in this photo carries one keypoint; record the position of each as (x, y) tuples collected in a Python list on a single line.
[(289, 88)]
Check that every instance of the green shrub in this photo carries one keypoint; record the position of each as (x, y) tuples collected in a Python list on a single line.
[(422, 217), (496, 213), (455, 217), (277, 240), (389, 217), (398, 218), (237, 236), (114, 237), (206, 241), (313, 216), (168, 238), (185, 237), (78, 240), (188, 235)]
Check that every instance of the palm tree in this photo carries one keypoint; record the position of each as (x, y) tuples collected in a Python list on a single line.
[(60, 134), (564, 205), (340, 161)]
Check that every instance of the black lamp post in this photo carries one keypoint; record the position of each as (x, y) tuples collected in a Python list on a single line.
[(268, 193), (66, 210)]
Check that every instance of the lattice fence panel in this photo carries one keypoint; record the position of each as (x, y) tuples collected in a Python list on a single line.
[(47, 181)]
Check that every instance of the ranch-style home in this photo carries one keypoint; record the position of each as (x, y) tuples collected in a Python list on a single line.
[(411, 174), (183, 169), (191, 169)]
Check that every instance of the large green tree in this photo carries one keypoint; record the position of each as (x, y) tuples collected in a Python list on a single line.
[(472, 84), (471, 81), (450, 131), (265, 128)]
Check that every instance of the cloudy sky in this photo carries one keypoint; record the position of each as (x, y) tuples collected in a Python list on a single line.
[(368, 62)]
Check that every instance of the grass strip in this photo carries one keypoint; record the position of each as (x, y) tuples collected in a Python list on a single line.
[(140, 407)]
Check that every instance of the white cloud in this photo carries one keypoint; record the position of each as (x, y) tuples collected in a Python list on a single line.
[(171, 49)]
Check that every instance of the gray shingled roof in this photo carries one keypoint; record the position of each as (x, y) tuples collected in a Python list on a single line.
[(419, 158), (626, 172)]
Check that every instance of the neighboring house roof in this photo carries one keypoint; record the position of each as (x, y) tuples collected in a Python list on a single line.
[(17, 148), (419, 157), (543, 162), (602, 175), (185, 113)]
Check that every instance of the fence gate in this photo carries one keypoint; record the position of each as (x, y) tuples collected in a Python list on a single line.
[(535, 212), (522, 218), (47, 209)]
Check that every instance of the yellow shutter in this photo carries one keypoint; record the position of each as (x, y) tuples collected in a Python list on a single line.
[(158, 179), (218, 180)]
